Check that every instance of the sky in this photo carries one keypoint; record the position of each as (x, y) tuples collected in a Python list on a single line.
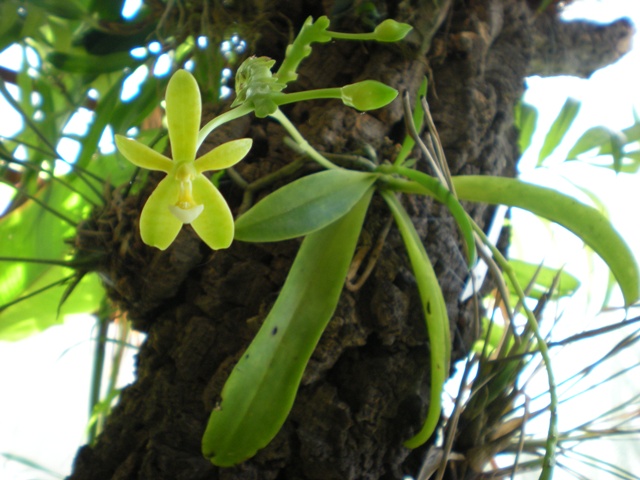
[(43, 418)]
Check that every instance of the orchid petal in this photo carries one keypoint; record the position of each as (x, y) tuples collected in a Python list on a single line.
[(224, 156), (141, 155), (158, 226), (215, 225), (183, 115)]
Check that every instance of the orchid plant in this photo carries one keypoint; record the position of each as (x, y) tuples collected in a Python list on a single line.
[(328, 209)]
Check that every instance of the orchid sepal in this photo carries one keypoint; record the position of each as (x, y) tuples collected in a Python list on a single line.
[(184, 109)]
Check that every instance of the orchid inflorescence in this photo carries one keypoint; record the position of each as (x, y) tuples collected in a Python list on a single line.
[(185, 195)]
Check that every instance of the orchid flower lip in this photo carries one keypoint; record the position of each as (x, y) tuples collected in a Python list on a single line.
[(186, 215)]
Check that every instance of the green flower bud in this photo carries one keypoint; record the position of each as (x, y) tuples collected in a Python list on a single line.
[(391, 31), (256, 84), (367, 95)]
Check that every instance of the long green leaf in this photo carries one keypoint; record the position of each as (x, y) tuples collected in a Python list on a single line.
[(434, 309), (608, 142), (544, 277), (103, 113), (304, 206), (92, 64), (584, 221), (31, 464), (526, 119), (595, 137), (559, 128), (260, 391)]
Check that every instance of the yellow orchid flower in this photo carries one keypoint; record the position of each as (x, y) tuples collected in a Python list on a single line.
[(185, 195)]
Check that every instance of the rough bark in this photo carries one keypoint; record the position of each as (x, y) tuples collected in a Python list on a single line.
[(366, 387)]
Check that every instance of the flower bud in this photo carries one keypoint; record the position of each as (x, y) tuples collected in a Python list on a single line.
[(391, 31), (367, 95)]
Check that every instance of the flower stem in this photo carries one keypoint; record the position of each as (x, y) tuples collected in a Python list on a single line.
[(221, 119), (352, 36), (309, 95), (300, 140)]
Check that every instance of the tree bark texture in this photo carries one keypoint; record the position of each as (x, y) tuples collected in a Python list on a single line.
[(366, 388)]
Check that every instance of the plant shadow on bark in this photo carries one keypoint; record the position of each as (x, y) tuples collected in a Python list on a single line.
[(366, 387)]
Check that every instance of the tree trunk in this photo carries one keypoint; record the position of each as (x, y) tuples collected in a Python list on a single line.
[(366, 388)]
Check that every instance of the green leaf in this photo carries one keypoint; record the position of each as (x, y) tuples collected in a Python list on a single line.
[(103, 116), (632, 133), (31, 464), (303, 206), (67, 9), (10, 24), (613, 143), (602, 138), (634, 165), (617, 152), (526, 119), (584, 221), (92, 64), (544, 4), (544, 277), (611, 283), (40, 312), (434, 309), (492, 336), (30, 232), (132, 112), (27, 232), (260, 391), (110, 11), (559, 128), (98, 42)]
